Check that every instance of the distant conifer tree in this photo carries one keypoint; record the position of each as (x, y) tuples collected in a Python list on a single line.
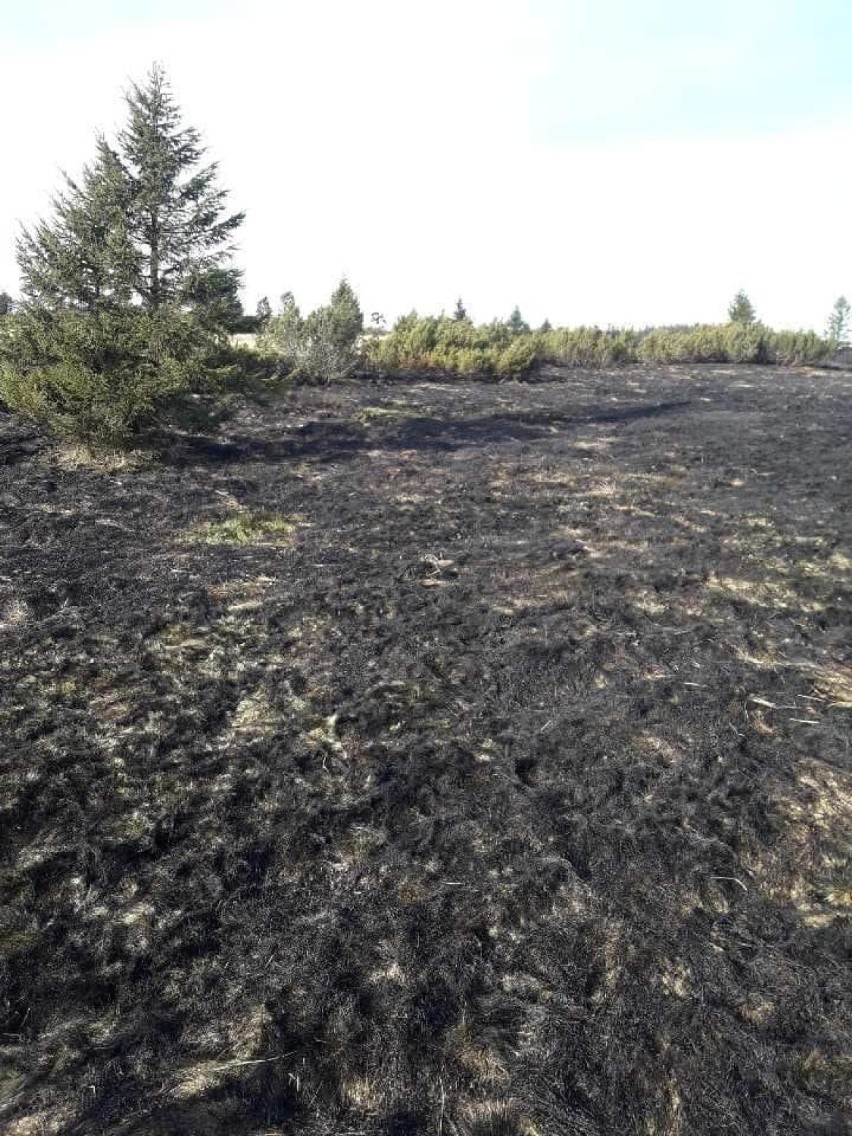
[(346, 319), (741, 309), (838, 321), (263, 313), (516, 323)]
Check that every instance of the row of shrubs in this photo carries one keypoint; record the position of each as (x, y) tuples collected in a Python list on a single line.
[(109, 375), (445, 345), (732, 343)]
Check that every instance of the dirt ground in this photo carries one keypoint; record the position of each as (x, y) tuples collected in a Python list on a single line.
[(435, 757)]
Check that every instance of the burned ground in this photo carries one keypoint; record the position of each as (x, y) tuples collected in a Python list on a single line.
[(453, 758)]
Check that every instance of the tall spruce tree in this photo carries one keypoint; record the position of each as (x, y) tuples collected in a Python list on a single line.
[(145, 224), (127, 286), (176, 215)]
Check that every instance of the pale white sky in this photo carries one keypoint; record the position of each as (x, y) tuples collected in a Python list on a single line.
[(510, 153)]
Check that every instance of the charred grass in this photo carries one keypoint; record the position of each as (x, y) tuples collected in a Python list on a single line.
[(434, 758)]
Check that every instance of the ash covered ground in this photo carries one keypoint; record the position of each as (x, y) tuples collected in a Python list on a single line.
[(434, 757)]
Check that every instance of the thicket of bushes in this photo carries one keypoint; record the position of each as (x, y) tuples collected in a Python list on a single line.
[(438, 343), (732, 343), (587, 346), (442, 344)]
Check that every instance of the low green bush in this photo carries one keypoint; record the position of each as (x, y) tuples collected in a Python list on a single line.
[(733, 342), (102, 377), (519, 357), (456, 346), (700, 344), (587, 346), (796, 347)]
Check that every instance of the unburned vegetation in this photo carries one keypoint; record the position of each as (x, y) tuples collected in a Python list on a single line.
[(434, 757)]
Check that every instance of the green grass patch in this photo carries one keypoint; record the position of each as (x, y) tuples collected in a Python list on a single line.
[(244, 528)]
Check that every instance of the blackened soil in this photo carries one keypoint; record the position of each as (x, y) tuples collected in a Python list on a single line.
[(508, 791)]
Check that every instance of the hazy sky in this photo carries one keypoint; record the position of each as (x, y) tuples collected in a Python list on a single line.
[(599, 161)]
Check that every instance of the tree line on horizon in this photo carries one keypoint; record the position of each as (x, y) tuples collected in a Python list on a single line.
[(130, 300)]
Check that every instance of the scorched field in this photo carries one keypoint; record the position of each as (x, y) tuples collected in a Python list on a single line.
[(445, 758)]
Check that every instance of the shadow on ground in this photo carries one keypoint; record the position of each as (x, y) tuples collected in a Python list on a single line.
[(331, 441)]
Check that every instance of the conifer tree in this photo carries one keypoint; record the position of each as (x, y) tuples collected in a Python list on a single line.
[(516, 323), (323, 345), (83, 259), (176, 214), (838, 321), (330, 336), (128, 286), (146, 223), (284, 333), (345, 318), (215, 299), (460, 312), (263, 313), (741, 309)]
